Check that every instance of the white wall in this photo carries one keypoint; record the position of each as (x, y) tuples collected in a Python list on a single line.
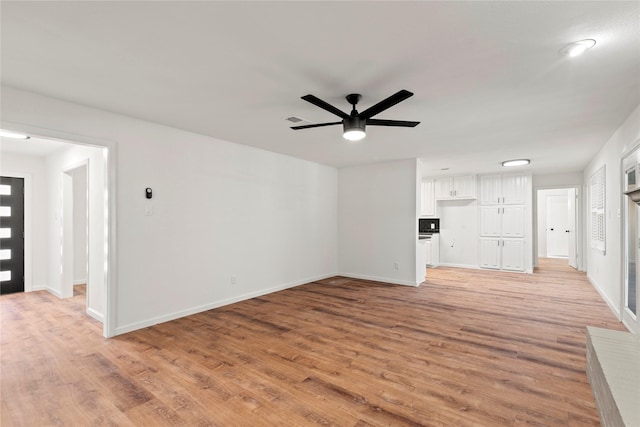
[(35, 167), (57, 164), (604, 270), (459, 233), (566, 180), (80, 225), (219, 209), (377, 221)]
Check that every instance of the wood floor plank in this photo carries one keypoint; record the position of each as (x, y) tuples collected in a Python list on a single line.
[(466, 348)]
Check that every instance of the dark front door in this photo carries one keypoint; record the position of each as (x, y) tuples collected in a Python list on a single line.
[(11, 235)]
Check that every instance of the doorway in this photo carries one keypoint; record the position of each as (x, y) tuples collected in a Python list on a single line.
[(11, 235), (75, 231), (557, 219), (48, 162)]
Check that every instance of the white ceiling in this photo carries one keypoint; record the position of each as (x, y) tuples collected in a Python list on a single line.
[(488, 82), (32, 146)]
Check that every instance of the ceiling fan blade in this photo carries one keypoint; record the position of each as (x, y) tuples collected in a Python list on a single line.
[(385, 103), (325, 106), (317, 125), (401, 123)]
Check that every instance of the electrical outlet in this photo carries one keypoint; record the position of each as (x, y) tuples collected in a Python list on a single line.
[(234, 279), (396, 265)]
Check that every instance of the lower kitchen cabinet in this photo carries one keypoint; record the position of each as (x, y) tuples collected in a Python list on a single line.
[(502, 254)]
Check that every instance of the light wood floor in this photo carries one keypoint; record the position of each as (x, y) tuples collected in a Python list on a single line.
[(467, 348)]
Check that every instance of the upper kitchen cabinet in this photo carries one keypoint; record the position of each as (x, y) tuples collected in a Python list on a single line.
[(428, 197), (503, 189), (456, 187)]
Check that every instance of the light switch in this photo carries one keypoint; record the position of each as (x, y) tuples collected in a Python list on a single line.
[(148, 210)]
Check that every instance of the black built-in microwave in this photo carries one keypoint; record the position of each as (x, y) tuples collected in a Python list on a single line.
[(429, 225)]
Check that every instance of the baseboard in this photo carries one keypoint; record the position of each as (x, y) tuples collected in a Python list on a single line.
[(379, 279), (99, 317), (54, 292), (38, 288), (198, 309), (612, 307), (449, 264), (80, 282), (631, 327)]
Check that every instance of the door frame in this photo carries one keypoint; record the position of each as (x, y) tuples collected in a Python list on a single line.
[(110, 260), (626, 317), (579, 222)]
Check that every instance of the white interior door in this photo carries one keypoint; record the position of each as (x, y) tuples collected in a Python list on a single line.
[(572, 243), (557, 226)]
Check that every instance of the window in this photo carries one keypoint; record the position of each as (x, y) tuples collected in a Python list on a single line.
[(597, 186)]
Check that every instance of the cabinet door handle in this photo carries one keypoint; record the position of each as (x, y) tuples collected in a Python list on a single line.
[(503, 200), (498, 199)]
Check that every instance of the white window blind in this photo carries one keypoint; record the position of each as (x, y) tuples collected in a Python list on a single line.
[(598, 198)]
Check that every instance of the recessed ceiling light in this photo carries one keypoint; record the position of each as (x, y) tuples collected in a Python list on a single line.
[(7, 134), (517, 162), (577, 48)]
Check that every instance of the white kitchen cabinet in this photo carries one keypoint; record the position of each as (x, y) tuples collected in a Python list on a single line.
[(444, 187), (504, 209), (428, 207), (433, 251), (503, 189), (455, 187), (502, 254), (490, 189), (513, 254), (490, 251), (490, 221), (514, 189), (502, 221), (513, 221)]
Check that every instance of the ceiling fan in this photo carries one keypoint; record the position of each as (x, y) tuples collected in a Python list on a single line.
[(354, 124)]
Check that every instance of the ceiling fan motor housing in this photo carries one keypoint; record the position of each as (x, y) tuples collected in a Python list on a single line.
[(353, 123)]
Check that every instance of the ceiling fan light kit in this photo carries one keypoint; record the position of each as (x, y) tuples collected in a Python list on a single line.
[(354, 129), (354, 124)]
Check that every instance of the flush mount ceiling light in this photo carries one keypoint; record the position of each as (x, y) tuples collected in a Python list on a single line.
[(577, 48), (517, 162), (8, 134)]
